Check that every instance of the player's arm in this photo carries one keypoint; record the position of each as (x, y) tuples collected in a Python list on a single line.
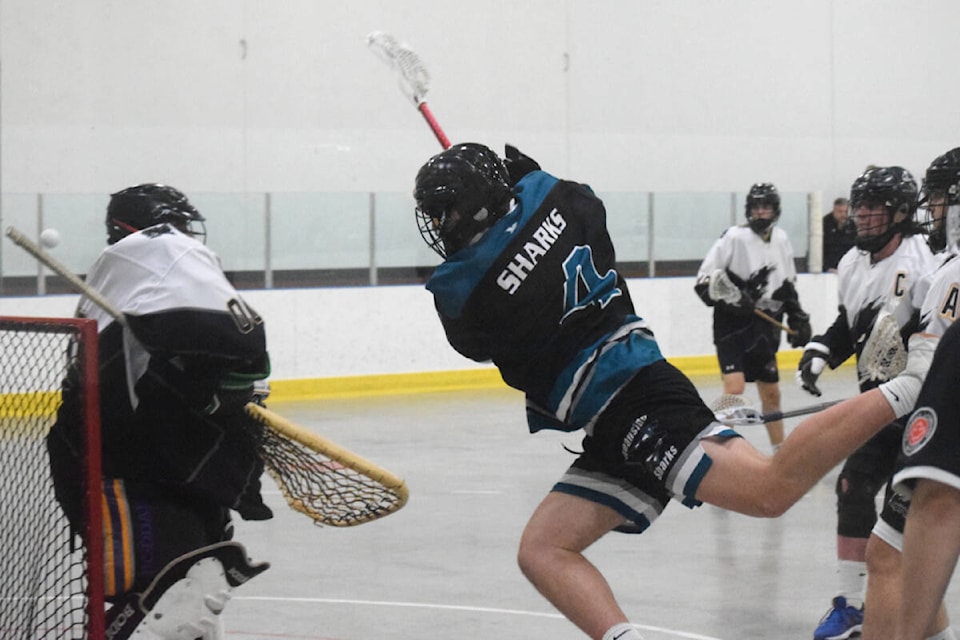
[(831, 349), (713, 264), (797, 318), (466, 339), (208, 344)]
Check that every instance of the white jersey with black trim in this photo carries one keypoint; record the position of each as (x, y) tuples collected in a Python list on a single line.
[(942, 301), (159, 274), (158, 269), (745, 254), (867, 286)]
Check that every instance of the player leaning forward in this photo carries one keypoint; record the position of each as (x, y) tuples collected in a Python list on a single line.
[(529, 282), (179, 452)]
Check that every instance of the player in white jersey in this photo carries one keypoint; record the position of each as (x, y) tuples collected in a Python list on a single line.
[(178, 450), (878, 275), (940, 204), (758, 259)]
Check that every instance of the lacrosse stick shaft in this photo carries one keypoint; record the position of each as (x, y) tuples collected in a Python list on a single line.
[(79, 285), (773, 321), (803, 411), (434, 125)]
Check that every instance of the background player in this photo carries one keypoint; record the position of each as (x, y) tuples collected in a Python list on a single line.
[(878, 277), (178, 452), (528, 281), (839, 233), (758, 259)]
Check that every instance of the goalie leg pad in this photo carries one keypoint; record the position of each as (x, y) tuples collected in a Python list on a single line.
[(185, 600)]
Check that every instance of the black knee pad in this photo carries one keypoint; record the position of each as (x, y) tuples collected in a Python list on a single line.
[(856, 505)]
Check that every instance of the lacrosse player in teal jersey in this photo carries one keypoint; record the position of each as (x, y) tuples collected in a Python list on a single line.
[(529, 282)]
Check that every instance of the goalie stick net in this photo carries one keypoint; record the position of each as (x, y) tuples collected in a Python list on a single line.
[(50, 586), (317, 477), (324, 481)]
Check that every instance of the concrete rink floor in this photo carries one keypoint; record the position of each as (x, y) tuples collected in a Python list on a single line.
[(444, 566)]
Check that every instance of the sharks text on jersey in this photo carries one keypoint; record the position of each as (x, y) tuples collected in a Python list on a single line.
[(540, 241)]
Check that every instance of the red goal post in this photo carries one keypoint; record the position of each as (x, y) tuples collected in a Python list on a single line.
[(50, 586)]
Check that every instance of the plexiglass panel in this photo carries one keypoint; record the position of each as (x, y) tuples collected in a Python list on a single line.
[(320, 239)]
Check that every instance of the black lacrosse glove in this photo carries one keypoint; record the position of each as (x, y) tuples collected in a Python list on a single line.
[(518, 163), (812, 363), (799, 321)]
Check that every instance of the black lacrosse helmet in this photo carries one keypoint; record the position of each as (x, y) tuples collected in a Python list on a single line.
[(149, 204), (941, 183), (762, 193), (894, 188), (460, 193)]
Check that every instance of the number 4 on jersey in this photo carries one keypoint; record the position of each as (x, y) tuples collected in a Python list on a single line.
[(584, 285)]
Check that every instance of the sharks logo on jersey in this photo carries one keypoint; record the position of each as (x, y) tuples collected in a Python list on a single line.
[(524, 261)]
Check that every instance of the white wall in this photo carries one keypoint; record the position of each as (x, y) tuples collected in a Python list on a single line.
[(327, 333), (259, 95)]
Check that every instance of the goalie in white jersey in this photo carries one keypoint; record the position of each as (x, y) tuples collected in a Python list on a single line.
[(878, 276), (756, 259), (178, 450)]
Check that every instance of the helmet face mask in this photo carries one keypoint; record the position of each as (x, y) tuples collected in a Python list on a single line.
[(940, 200), (460, 193), (762, 196), (883, 201), (145, 205)]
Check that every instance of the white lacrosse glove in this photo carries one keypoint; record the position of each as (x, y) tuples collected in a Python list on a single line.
[(812, 363), (901, 392)]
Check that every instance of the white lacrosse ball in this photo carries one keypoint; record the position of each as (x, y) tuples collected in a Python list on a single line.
[(50, 238)]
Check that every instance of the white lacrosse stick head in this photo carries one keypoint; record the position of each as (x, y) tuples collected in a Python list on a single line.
[(413, 78), (734, 410), (722, 289), (884, 355)]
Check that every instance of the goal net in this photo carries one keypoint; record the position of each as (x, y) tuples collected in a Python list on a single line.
[(51, 583)]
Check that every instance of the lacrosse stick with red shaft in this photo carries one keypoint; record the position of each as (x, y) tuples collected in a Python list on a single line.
[(413, 77)]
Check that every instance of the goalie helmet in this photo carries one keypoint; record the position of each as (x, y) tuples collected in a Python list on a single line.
[(896, 191), (762, 194), (939, 205), (146, 205), (460, 193)]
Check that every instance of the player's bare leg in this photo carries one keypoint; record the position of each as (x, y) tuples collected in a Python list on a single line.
[(884, 592), (551, 557), (883, 589), (931, 549), (769, 402), (734, 383)]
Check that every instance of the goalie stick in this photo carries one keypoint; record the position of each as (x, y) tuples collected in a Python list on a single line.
[(317, 477), (413, 77), (734, 410)]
